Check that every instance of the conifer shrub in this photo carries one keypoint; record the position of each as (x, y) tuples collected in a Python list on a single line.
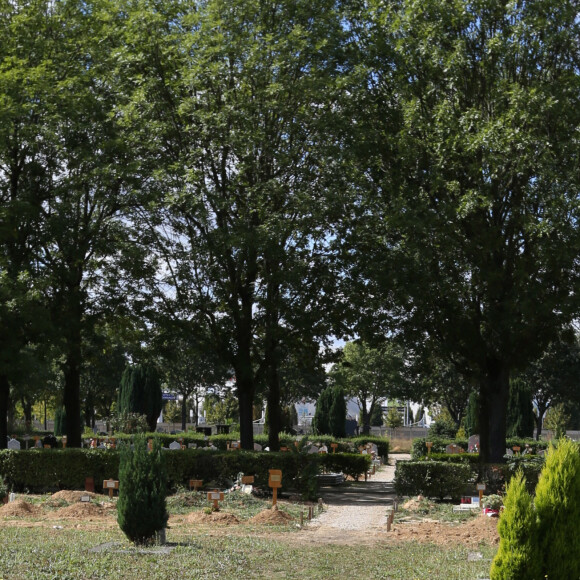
[(558, 510), (141, 508), (518, 556)]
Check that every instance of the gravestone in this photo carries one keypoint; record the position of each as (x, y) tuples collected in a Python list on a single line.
[(13, 444), (313, 449), (473, 444), (257, 447), (174, 445)]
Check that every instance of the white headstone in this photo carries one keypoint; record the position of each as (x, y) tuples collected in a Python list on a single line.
[(13, 444), (257, 447), (313, 449), (175, 445)]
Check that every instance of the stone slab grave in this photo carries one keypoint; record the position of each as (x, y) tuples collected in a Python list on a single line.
[(473, 444), (175, 445), (454, 448), (14, 444)]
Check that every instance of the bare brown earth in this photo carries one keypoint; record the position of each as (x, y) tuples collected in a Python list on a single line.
[(348, 523)]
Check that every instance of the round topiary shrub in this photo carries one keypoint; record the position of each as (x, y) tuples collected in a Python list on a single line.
[(141, 508)]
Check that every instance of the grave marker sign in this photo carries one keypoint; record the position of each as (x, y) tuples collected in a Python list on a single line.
[(275, 482)]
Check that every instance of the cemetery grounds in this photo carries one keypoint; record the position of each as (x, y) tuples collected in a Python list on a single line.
[(59, 537)]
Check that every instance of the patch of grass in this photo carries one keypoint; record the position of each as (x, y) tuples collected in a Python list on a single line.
[(400, 446), (42, 554)]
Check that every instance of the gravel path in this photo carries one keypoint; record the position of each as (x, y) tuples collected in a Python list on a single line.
[(346, 521)]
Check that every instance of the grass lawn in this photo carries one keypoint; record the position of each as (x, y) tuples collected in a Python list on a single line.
[(46, 545), (42, 553)]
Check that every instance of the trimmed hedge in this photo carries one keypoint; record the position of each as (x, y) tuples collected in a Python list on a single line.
[(435, 479), (419, 449), (53, 469)]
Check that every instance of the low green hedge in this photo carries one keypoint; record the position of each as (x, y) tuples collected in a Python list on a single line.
[(45, 470), (419, 449), (434, 479)]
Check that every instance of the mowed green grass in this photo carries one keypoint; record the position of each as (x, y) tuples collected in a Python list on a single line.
[(43, 552)]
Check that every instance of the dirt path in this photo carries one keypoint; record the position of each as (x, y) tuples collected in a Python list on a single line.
[(355, 513)]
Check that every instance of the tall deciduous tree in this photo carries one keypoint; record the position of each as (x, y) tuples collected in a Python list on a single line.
[(26, 159), (370, 375), (237, 99), (474, 184)]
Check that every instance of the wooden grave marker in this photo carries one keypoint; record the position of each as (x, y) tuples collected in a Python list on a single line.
[(275, 482), (480, 489), (111, 485), (195, 483), (215, 496), (334, 447)]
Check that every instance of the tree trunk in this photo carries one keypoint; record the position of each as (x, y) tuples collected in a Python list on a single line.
[(4, 402), (72, 372), (246, 401), (492, 417), (245, 394), (274, 414), (183, 413), (540, 420), (366, 419)]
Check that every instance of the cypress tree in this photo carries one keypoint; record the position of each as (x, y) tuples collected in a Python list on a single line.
[(60, 421), (518, 557), (520, 411), (140, 392), (320, 422), (337, 415), (141, 508), (558, 510)]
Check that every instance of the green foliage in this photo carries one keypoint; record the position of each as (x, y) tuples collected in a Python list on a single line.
[(320, 422), (140, 392), (518, 556), (130, 423), (443, 426), (556, 420), (434, 479), (394, 419), (221, 409), (337, 414), (520, 413), (141, 508), (377, 416), (60, 421), (43, 470), (472, 415), (4, 489), (350, 464), (558, 510)]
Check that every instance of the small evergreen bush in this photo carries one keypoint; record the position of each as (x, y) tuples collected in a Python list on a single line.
[(141, 508), (517, 557), (558, 510)]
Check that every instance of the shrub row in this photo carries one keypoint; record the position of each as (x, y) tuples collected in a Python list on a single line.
[(436, 479), (494, 475), (419, 449), (53, 469)]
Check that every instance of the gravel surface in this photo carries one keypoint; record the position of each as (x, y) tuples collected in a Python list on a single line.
[(358, 517)]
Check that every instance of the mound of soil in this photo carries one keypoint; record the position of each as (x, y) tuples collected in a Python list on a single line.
[(70, 496), (19, 509), (416, 504), (470, 533), (220, 518), (271, 516), (80, 510)]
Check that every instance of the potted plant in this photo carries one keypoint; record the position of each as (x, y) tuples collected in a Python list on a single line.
[(492, 504)]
